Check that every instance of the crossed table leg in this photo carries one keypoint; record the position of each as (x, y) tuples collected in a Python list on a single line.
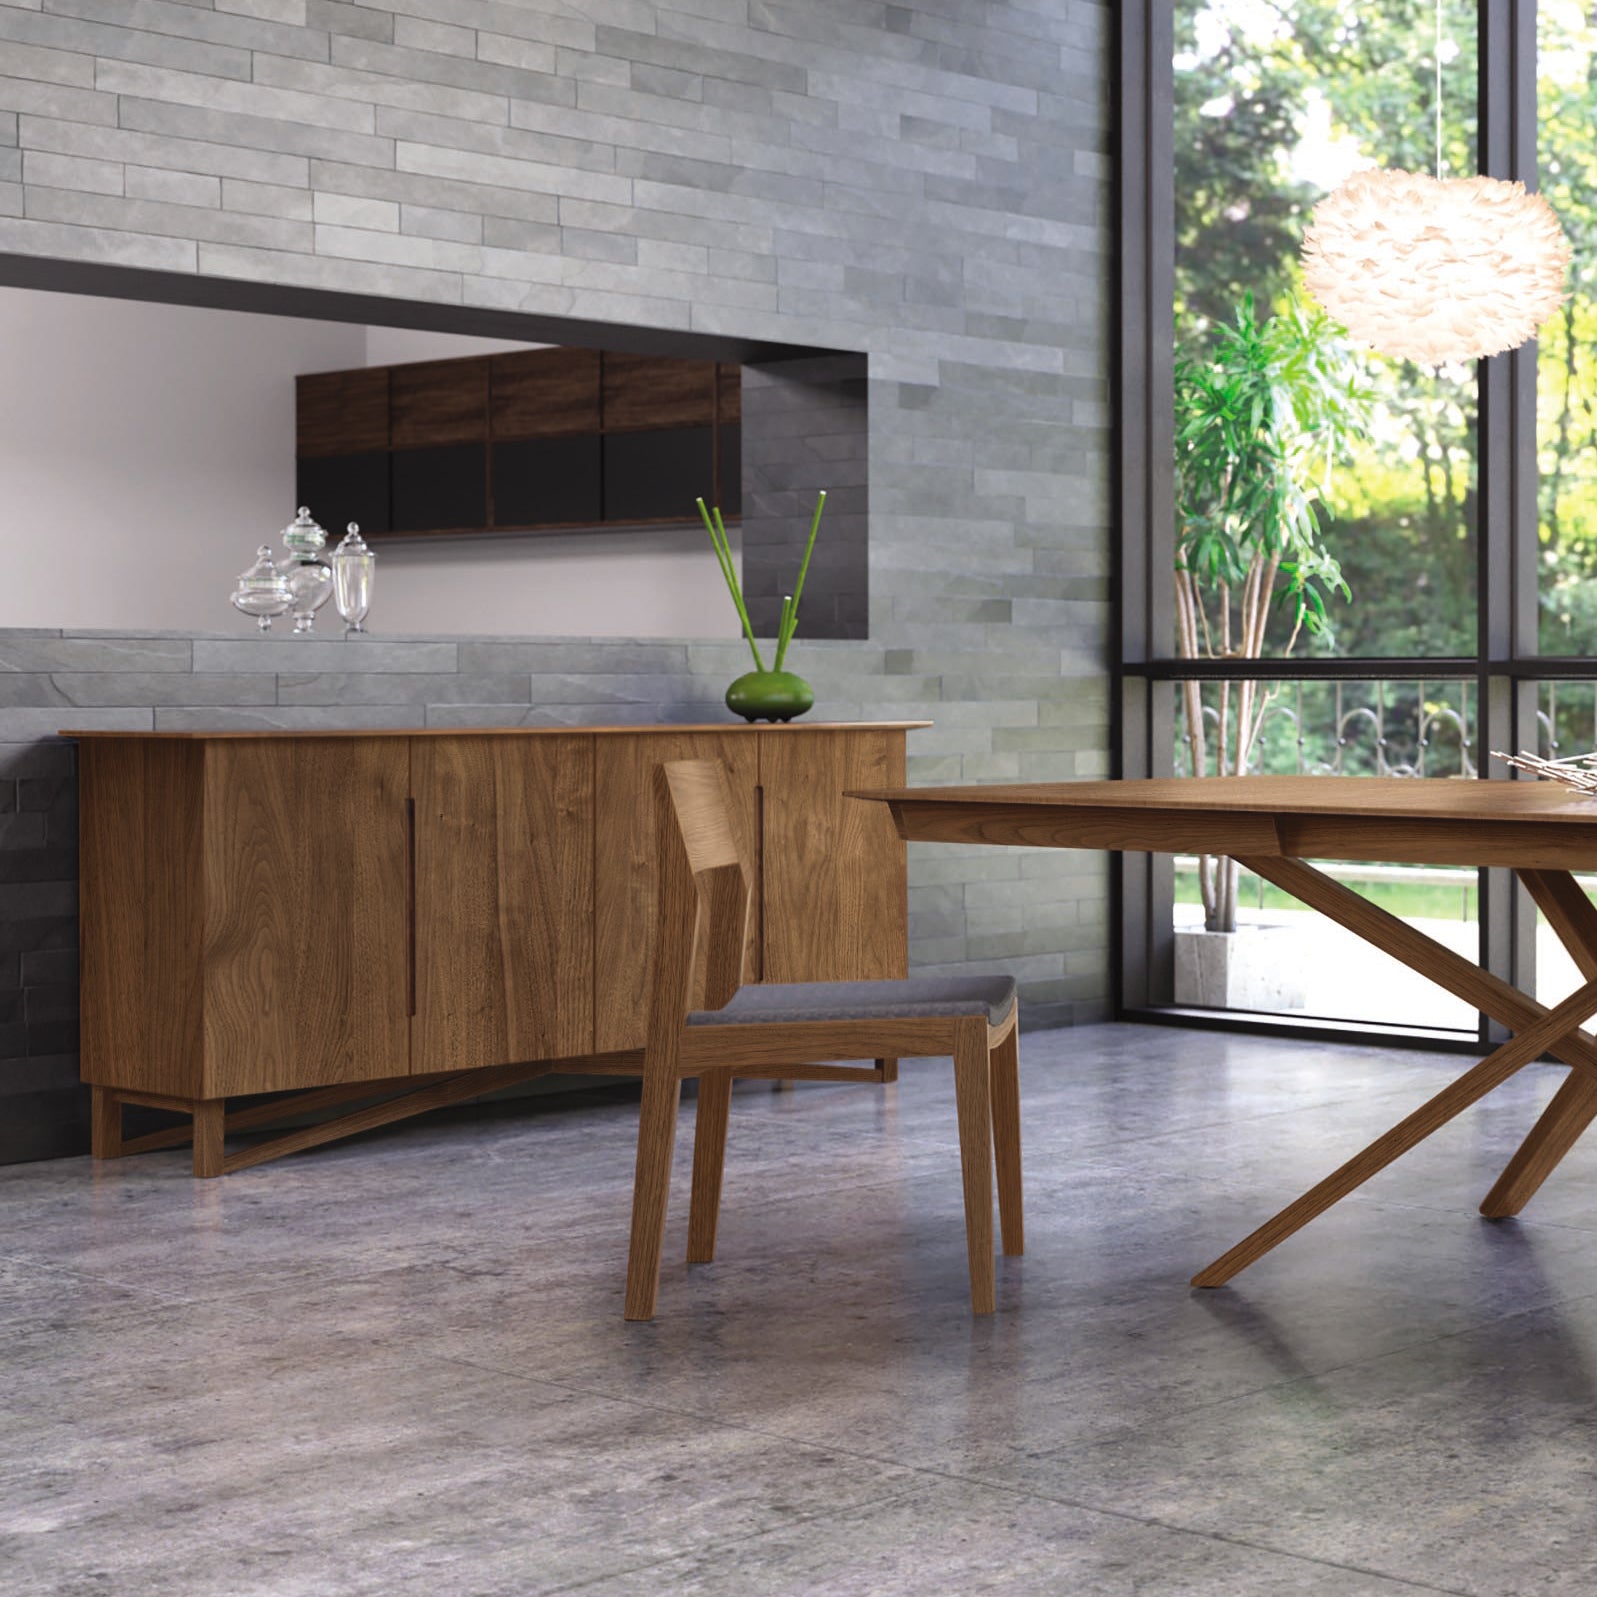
[(1538, 1030)]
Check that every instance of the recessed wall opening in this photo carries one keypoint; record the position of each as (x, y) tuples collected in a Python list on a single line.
[(518, 476)]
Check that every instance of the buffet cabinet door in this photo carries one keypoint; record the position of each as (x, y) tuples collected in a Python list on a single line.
[(306, 912), (503, 934), (835, 871)]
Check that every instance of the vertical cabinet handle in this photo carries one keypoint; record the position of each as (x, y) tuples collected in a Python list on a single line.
[(759, 866), (410, 906)]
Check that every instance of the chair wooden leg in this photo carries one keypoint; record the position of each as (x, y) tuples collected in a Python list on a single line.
[(888, 1068), (1006, 1141), (209, 1120), (973, 1098), (105, 1123), (709, 1158), (657, 1127)]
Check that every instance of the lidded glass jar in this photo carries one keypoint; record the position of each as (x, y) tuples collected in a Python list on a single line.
[(262, 591), (309, 577), (354, 573)]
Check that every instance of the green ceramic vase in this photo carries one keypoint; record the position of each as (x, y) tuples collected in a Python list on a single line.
[(769, 696)]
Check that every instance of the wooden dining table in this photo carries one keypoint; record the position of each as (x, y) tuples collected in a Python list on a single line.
[(1273, 826)]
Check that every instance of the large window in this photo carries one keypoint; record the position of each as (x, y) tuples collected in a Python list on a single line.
[(1455, 510)]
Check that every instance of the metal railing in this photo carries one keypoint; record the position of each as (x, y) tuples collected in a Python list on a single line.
[(1566, 718), (1334, 728)]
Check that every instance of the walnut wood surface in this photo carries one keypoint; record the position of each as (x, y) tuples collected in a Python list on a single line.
[(253, 922), (835, 877), (545, 393), (644, 391), (453, 1089), (140, 916), (720, 728), (625, 865), (307, 901), (1517, 824), (342, 413), (1430, 1117), (1574, 1106), (437, 402), (1540, 830), (728, 393), (701, 913), (504, 893)]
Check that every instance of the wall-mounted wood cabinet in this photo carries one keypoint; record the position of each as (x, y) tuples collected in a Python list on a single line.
[(532, 440), (270, 912)]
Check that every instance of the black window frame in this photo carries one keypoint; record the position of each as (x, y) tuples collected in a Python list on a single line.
[(1506, 666)]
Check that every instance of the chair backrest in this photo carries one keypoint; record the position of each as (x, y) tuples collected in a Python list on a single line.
[(703, 897)]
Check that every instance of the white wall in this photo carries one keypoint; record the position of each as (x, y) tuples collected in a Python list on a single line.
[(147, 450)]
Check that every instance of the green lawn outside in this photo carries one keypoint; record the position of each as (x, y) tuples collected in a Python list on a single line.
[(1419, 900)]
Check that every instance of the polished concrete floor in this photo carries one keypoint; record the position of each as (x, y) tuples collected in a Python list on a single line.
[(398, 1366)]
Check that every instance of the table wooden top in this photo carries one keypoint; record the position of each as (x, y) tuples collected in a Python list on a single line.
[(1404, 820), (641, 729)]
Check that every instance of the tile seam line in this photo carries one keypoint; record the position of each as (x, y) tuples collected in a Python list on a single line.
[(1270, 1386), (1275, 1385), (819, 1517), (150, 1299), (1011, 1491)]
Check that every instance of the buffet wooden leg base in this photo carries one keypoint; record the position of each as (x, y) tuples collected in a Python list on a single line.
[(1537, 1029), (105, 1124), (211, 1123)]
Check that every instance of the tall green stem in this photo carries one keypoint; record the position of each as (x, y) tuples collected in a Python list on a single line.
[(723, 554), (789, 624)]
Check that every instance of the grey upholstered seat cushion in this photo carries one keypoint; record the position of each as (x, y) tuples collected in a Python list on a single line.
[(991, 997)]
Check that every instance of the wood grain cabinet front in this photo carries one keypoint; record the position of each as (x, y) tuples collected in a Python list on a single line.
[(835, 873), (306, 909), (431, 914), (504, 889), (624, 873)]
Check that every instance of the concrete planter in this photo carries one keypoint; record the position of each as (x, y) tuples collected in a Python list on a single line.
[(1254, 967)]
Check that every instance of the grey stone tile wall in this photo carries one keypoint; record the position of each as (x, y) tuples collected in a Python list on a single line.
[(927, 184)]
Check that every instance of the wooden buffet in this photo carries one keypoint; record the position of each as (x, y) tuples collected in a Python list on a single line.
[(420, 917)]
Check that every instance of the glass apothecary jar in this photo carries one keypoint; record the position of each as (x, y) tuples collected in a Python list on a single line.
[(262, 591), (354, 573), (309, 576)]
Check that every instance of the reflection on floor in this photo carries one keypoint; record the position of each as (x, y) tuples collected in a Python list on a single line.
[(398, 1366)]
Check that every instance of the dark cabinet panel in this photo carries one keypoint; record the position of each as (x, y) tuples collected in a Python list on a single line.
[(341, 413), (656, 474), (539, 482), (729, 468), (439, 490), (339, 489), (729, 393), (574, 437), (648, 391), (545, 393), (438, 402)]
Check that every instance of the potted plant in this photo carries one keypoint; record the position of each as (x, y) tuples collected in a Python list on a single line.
[(1262, 418), (775, 694)]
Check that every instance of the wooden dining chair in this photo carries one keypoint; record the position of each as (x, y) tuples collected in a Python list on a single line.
[(705, 1022)]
